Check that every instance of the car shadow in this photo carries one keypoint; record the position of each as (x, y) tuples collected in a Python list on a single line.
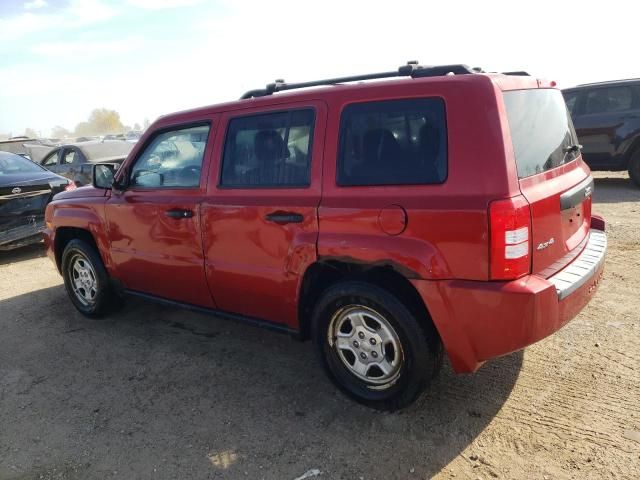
[(615, 190), (216, 398), (28, 252)]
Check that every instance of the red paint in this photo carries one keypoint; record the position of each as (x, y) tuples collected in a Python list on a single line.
[(393, 220), (228, 256), (478, 321), (567, 228), (253, 265), (508, 217)]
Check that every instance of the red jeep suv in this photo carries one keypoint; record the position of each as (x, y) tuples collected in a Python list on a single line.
[(440, 209)]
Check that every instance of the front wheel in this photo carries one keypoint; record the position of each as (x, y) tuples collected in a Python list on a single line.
[(634, 167), (373, 347), (86, 279)]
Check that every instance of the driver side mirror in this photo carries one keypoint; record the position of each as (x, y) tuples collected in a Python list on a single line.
[(103, 174)]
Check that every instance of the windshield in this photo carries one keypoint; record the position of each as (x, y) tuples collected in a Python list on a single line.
[(11, 164), (541, 130)]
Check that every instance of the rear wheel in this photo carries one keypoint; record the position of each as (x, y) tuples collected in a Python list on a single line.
[(634, 167), (372, 346), (86, 279)]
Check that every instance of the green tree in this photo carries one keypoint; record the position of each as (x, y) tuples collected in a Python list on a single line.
[(83, 128), (101, 121)]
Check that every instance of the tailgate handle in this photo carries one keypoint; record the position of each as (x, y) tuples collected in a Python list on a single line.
[(576, 195), (282, 218), (179, 213)]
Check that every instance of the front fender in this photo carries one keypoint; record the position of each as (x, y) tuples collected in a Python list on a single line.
[(84, 214)]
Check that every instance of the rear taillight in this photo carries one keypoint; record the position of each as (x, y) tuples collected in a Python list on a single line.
[(510, 237), (70, 186)]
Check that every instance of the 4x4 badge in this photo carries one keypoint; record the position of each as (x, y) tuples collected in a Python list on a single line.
[(587, 191), (546, 244)]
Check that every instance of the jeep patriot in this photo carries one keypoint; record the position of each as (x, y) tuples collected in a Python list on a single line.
[(440, 210)]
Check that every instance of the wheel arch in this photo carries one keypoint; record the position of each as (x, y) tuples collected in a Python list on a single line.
[(324, 273), (65, 234)]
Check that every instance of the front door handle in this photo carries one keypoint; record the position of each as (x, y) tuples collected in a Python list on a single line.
[(179, 213), (282, 218)]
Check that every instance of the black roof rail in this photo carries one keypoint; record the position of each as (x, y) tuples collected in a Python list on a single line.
[(411, 69), (517, 74)]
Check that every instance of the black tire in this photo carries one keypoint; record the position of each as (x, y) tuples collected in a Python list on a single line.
[(104, 299), (634, 167), (420, 346)]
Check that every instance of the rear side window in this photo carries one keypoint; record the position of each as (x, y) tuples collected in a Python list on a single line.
[(395, 142), (541, 130), (608, 100), (268, 150)]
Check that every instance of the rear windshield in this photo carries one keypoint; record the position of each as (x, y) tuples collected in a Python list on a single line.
[(541, 130), (13, 164)]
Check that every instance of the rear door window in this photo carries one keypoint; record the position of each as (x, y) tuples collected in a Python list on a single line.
[(268, 150), (541, 130), (394, 142)]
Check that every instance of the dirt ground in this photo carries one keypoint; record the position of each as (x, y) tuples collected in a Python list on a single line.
[(162, 393)]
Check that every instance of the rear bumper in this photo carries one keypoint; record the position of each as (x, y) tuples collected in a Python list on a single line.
[(22, 235), (478, 321)]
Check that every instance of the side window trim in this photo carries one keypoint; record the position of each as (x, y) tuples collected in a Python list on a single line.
[(289, 111), (149, 141)]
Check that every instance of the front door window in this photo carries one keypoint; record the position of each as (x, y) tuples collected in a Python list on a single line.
[(172, 160)]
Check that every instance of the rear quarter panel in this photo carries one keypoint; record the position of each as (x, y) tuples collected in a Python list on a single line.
[(446, 234)]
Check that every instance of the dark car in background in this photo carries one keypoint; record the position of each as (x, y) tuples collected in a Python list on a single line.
[(75, 161), (606, 117), (25, 190)]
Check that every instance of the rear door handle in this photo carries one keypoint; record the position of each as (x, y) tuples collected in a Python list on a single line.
[(282, 218), (179, 213)]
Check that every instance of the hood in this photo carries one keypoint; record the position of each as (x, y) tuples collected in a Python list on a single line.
[(31, 178), (82, 192)]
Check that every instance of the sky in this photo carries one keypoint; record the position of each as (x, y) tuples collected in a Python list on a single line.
[(60, 59)]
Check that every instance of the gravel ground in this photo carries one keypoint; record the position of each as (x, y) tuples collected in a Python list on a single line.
[(157, 392)]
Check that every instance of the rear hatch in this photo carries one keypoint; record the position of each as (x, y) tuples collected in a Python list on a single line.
[(553, 179)]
